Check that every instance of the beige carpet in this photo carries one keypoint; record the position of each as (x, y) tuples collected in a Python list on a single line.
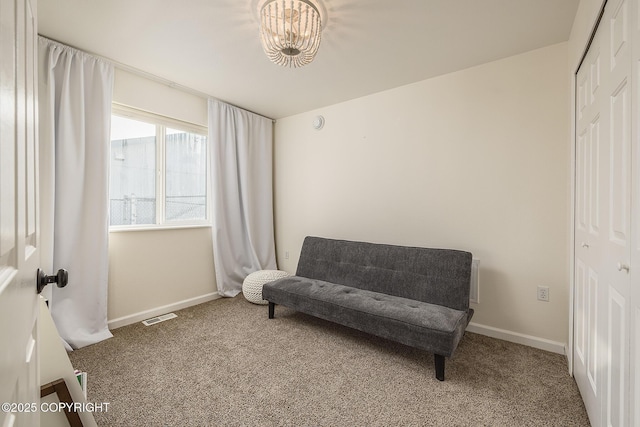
[(224, 363)]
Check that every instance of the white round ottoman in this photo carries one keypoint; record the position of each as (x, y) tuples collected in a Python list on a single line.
[(252, 285)]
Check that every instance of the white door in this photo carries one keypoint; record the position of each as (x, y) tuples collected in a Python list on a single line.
[(592, 130), (19, 254), (634, 273), (603, 235), (616, 261)]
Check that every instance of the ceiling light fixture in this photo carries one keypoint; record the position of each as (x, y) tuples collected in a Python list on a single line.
[(290, 31)]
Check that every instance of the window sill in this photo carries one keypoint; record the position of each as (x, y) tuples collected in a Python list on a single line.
[(152, 227)]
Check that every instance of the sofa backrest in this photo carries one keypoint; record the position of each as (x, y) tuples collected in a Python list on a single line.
[(437, 276)]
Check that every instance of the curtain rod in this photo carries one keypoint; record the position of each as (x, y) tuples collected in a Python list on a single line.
[(153, 77)]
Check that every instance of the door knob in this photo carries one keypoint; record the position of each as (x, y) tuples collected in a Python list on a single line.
[(622, 266), (584, 245), (61, 278)]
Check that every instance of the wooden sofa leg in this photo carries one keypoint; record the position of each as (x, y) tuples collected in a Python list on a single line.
[(272, 306), (439, 366)]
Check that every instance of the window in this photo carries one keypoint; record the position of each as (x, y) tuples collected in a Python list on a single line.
[(158, 171)]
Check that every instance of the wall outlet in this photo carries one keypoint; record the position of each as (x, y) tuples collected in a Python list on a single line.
[(286, 254), (543, 293)]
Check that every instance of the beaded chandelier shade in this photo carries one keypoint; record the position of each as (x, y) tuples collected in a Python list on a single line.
[(290, 31)]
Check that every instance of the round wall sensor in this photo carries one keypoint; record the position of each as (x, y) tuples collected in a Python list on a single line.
[(318, 122)]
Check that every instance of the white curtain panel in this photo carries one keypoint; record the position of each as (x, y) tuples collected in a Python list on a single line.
[(75, 110), (241, 159)]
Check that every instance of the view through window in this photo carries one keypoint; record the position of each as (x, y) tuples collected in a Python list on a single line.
[(158, 173)]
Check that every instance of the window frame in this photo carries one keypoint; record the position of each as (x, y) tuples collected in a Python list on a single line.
[(161, 123)]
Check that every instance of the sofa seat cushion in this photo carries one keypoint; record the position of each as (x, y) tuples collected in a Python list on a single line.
[(418, 324)]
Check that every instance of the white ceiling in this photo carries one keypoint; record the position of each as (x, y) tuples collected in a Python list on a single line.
[(367, 46)]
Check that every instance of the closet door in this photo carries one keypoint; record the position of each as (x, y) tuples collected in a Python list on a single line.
[(618, 245), (592, 131), (618, 249), (634, 273), (602, 292)]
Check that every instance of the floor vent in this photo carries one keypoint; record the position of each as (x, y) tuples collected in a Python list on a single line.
[(158, 319)]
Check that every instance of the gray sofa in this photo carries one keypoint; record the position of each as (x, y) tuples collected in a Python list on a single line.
[(416, 296)]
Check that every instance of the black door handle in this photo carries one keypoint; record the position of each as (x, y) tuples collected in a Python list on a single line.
[(42, 280)]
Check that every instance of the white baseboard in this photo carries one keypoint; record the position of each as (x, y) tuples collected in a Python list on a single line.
[(143, 315), (515, 337), (518, 338)]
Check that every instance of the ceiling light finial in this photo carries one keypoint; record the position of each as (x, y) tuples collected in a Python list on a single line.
[(290, 31)]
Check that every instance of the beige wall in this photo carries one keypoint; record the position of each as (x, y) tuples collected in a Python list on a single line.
[(154, 271), (139, 92), (475, 160), (472, 160), (150, 269)]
